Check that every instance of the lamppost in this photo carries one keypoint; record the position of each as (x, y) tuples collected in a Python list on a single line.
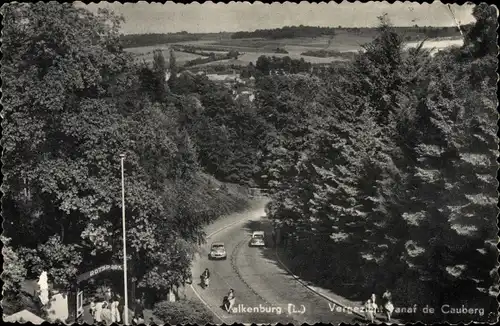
[(125, 317)]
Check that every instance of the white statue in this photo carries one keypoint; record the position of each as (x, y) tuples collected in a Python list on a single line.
[(43, 285)]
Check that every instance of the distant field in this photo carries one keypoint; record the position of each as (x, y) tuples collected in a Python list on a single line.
[(438, 44), (343, 41), (146, 54), (252, 48)]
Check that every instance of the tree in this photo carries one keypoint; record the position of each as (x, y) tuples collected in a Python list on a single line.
[(381, 137), (59, 260), (14, 271), (64, 72), (173, 68), (481, 38), (263, 65), (62, 142), (233, 54), (160, 72)]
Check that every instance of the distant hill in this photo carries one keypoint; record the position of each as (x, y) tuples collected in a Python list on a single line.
[(312, 31)]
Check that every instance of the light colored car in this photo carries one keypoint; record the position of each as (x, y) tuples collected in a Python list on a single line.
[(217, 251), (258, 239)]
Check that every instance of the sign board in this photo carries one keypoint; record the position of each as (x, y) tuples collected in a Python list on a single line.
[(94, 272)]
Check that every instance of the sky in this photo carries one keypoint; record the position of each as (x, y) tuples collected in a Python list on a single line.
[(209, 17)]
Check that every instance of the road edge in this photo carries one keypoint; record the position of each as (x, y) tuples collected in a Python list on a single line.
[(191, 285), (206, 304), (298, 279), (303, 283)]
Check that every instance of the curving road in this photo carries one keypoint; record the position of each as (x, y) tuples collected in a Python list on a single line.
[(258, 280)]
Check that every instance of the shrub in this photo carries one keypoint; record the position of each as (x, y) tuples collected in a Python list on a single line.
[(183, 312)]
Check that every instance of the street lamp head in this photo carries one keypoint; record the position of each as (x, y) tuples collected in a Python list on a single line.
[(122, 155)]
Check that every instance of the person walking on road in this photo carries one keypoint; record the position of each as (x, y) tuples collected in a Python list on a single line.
[(92, 309), (106, 316), (115, 312), (107, 294), (370, 309), (230, 300), (97, 312), (388, 306), (138, 313), (205, 278)]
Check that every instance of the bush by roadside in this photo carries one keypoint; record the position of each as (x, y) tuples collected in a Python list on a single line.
[(183, 312)]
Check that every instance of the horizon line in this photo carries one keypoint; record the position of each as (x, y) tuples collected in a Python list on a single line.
[(251, 31)]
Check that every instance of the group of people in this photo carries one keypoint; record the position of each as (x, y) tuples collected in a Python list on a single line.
[(371, 307), (228, 301), (106, 311)]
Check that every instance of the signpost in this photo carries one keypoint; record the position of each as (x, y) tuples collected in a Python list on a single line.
[(122, 158), (94, 272)]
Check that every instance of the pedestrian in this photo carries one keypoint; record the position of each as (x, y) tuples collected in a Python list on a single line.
[(369, 313), (107, 295), (98, 311), (374, 305), (274, 238), (115, 312), (106, 316), (388, 306), (205, 278), (138, 312), (92, 308), (230, 300)]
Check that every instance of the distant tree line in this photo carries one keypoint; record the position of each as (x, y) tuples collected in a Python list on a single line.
[(286, 32), (203, 48), (311, 31), (266, 65), (218, 68), (137, 40), (206, 52), (329, 54), (211, 58), (430, 31)]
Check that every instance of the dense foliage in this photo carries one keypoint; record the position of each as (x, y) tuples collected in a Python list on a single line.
[(73, 102), (266, 65), (183, 312), (383, 172)]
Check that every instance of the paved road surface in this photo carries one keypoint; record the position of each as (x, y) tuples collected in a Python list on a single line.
[(258, 281)]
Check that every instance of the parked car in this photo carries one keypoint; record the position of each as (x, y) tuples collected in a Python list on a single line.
[(258, 239), (217, 251)]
